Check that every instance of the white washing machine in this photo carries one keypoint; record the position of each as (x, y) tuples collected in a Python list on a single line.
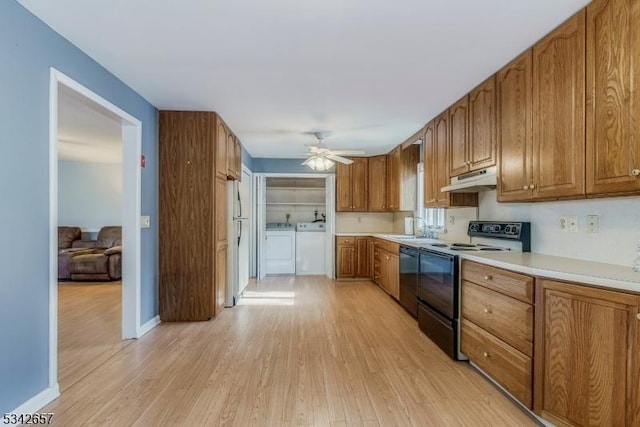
[(280, 248), (310, 248)]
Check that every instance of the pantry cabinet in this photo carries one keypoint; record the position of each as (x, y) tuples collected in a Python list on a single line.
[(613, 97), (588, 355), (352, 185), (192, 215)]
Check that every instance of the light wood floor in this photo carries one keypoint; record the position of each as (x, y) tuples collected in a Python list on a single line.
[(89, 328), (305, 351)]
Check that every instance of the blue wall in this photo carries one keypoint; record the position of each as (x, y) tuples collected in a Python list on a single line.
[(28, 48), (89, 194), (266, 165), (247, 160)]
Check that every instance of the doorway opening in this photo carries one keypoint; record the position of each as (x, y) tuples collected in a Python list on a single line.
[(67, 94)]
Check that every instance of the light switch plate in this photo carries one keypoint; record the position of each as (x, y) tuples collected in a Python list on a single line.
[(145, 221)]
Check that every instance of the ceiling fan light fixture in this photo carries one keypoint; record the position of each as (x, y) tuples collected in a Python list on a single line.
[(320, 164)]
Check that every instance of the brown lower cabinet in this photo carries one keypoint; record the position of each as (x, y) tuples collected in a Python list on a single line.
[(588, 350), (352, 257), (577, 365), (386, 266), (497, 326)]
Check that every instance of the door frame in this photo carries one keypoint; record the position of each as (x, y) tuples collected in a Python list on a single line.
[(260, 184), (131, 208)]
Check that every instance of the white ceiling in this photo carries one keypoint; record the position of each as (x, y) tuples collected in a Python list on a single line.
[(86, 131), (371, 72)]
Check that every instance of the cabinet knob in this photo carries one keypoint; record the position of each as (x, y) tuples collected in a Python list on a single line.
[(485, 354), (387, 258), (526, 187), (353, 250), (488, 277), (532, 186), (487, 310), (638, 316), (635, 172), (376, 265)]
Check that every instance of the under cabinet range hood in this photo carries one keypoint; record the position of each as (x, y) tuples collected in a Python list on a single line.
[(473, 182)]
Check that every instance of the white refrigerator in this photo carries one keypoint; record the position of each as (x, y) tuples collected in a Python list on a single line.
[(238, 233)]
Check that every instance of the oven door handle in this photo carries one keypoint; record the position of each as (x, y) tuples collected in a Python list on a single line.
[(436, 255)]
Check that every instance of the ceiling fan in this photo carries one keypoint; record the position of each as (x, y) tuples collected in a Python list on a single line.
[(321, 158)]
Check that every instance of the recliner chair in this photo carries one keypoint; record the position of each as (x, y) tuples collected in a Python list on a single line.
[(104, 262)]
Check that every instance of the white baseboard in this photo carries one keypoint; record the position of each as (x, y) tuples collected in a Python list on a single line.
[(38, 401), (148, 326)]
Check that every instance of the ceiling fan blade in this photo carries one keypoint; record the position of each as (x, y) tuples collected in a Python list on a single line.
[(306, 162), (339, 159), (348, 152)]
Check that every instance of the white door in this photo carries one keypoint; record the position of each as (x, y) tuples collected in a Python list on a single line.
[(244, 189), (261, 199)]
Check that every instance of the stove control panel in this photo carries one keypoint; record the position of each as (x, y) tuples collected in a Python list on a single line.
[(520, 231)]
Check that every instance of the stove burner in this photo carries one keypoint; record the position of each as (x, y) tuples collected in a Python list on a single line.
[(489, 248), (462, 245), (463, 248), (439, 245)]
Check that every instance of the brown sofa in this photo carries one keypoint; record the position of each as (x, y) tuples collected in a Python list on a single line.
[(102, 260), (68, 247)]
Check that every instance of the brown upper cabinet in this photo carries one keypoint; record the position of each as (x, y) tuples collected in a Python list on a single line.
[(352, 185), (558, 112), (540, 115), (393, 179), (377, 184), (436, 166), (514, 116), (473, 130), (613, 97), (234, 157), (459, 137), (482, 126), (221, 149)]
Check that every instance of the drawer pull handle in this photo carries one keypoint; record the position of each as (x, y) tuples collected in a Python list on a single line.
[(488, 277), (635, 172), (485, 354), (526, 187), (487, 310)]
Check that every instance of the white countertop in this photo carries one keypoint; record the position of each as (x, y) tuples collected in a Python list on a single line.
[(534, 264)]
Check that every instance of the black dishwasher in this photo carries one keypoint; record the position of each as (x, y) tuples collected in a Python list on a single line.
[(409, 279)]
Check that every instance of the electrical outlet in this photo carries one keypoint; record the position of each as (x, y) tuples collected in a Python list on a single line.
[(573, 223), (564, 223), (593, 223), (452, 219)]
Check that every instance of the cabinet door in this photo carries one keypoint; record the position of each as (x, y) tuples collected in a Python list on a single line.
[(221, 149), (587, 355), (514, 109), (613, 96), (377, 184), (221, 210), (346, 261), (220, 287), (393, 275), (558, 111), (429, 161), (231, 156), (238, 159), (482, 126), (458, 137), (362, 257), (359, 184), (393, 180), (441, 168), (343, 188)]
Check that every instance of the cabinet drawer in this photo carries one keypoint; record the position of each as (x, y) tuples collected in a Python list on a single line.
[(505, 317), (386, 245), (506, 282), (506, 365), (346, 241)]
